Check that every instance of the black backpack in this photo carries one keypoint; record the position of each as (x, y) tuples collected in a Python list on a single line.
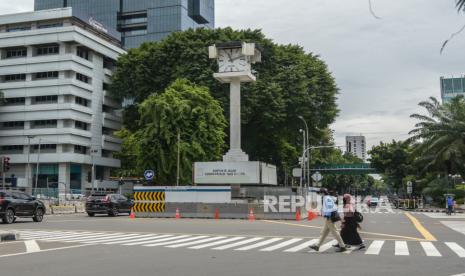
[(358, 216)]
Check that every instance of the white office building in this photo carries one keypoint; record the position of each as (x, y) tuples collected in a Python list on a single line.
[(55, 68), (357, 146)]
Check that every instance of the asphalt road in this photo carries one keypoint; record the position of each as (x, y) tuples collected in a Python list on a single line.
[(80, 245)]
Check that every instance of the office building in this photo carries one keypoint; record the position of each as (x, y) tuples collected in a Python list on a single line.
[(452, 87), (55, 68), (357, 146), (142, 20)]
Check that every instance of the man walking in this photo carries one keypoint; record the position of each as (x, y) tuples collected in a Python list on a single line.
[(450, 205), (331, 216)]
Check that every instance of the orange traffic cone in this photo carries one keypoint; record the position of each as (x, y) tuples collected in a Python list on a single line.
[(132, 215), (251, 215), (217, 214), (297, 215), (178, 215), (311, 215)]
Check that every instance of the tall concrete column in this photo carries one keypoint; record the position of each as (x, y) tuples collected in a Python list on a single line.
[(64, 177), (235, 153)]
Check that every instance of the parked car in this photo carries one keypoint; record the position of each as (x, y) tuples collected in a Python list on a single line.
[(111, 204), (15, 204)]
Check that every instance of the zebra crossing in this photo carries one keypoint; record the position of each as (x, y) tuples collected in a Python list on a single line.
[(245, 243)]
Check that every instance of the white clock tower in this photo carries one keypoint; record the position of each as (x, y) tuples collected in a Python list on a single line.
[(234, 63)]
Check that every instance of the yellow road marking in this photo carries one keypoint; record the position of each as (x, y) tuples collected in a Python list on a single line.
[(426, 234), (362, 232)]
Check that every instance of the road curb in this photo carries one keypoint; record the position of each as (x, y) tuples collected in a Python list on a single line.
[(8, 236), (433, 211)]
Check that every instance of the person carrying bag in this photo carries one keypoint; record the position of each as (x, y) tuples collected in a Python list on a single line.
[(329, 212)]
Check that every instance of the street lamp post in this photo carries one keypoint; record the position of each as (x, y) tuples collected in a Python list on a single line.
[(307, 138), (92, 151), (28, 172), (178, 161), (304, 146), (37, 167)]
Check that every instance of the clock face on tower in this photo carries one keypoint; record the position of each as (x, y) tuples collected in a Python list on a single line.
[(232, 60)]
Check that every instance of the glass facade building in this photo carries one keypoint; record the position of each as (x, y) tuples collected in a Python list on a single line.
[(140, 21), (452, 87)]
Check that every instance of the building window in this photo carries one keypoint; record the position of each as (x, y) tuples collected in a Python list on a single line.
[(81, 101), (48, 50), (14, 77), (15, 101), (80, 125), (109, 63), (80, 149), (46, 75), (45, 148), (50, 25), (16, 52), (135, 32), (13, 29), (45, 99), (44, 124), (13, 125), (12, 149), (83, 52), (82, 77)]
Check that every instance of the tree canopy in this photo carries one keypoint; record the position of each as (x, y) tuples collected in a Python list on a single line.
[(291, 82), (185, 110)]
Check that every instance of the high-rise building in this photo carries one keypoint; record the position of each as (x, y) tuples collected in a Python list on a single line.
[(452, 87), (142, 20), (357, 146), (58, 120)]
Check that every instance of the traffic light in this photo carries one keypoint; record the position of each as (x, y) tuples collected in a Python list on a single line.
[(6, 163)]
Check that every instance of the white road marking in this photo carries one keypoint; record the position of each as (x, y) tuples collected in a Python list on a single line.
[(31, 246), (195, 242), (175, 241), (281, 245), (94, 238), (140, 238), (302, 246), (375, 248), (458, 226), (444, 216), (216, 243), (401, 248), (118, 238), (45, 250), (237, 244), (456, 248), (325, 246), (260, 244), (160, 238), (430, 249)]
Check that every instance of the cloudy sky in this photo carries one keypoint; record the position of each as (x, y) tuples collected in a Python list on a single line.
[(383, 67)]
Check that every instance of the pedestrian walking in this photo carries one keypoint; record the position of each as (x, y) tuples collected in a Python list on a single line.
[(450, 205), (331, 216), (351, 223)]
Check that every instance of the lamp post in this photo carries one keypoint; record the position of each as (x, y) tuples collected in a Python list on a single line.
[(37, 167), (304, 146), (93, 167), (306, 143), (178, 161), (28, 172)]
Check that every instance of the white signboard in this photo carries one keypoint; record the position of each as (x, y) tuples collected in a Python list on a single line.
[(269, 175), (227, 172), (191, 194)]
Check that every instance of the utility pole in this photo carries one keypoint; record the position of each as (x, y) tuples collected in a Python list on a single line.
[(178, 161), (38, 164), (29, 172), (3, 171)]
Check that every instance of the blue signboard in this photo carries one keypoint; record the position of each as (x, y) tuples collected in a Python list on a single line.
[(149, 175)]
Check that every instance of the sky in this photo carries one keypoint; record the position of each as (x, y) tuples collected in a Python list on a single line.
[(383, 67)]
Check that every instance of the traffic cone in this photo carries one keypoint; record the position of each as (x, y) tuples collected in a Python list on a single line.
[(217, 214), (132, 215), (178, 215), (251, 215), (297, 215), (311, 215)]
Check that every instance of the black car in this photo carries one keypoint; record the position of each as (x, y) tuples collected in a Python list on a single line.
[(110, 204), (15, 204)]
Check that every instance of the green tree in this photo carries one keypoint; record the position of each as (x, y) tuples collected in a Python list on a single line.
[(290, 83), (439, 137), (394, 161), (185, 109), (129, 154)]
